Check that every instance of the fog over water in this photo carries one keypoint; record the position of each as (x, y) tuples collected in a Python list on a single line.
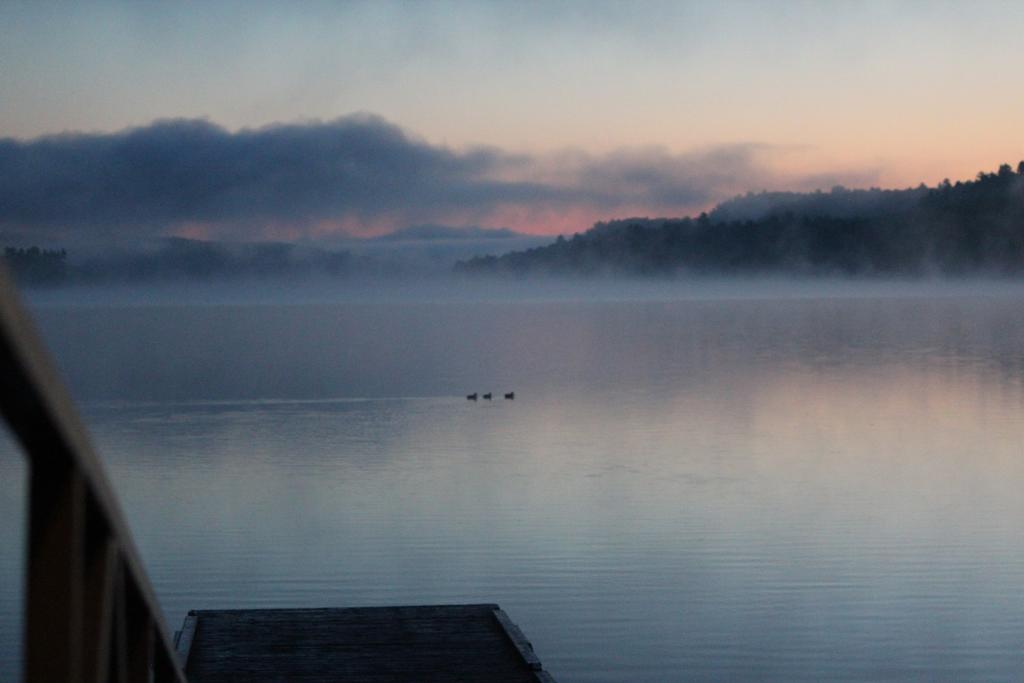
[(743, 480), (447, 288)]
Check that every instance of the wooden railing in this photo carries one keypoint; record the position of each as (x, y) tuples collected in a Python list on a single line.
[(90, 612)]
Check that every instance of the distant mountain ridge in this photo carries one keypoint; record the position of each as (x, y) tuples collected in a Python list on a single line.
[(839, 202), (963, 228), (448, 232), (420, 252)]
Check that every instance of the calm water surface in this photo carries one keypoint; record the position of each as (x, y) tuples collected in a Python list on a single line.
[(799, 488)]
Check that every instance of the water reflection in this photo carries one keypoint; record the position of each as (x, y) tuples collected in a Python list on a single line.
[(744, 489)]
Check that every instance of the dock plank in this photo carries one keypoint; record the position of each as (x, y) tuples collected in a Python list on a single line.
[(374, 644)]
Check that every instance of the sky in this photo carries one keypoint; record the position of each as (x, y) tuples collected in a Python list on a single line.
[(260, 120)]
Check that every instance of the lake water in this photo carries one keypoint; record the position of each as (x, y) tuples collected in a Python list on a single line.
[(723, 487)]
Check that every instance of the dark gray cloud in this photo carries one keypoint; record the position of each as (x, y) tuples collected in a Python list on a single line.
[(358, 173)]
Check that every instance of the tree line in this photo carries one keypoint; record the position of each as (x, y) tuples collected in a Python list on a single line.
[(968, 227), (172, 259), (37, 266)]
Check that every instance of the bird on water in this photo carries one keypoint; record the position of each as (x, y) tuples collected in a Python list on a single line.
[(510, 396)]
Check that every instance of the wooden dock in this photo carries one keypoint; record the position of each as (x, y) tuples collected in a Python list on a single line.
[(373, 644)]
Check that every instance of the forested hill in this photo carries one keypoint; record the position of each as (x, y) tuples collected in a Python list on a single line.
[(970, 227)]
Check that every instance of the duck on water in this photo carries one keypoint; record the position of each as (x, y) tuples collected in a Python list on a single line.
[(488, 396)]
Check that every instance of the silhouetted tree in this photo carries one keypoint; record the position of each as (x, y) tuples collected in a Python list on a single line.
[(37, 266)]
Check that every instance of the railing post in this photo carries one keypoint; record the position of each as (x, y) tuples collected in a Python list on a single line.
[(164, 667), (98, 601), (119, 648), (140, 626), (53, 600)]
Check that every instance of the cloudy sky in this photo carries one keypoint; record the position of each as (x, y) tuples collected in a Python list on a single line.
[(255, 120)]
